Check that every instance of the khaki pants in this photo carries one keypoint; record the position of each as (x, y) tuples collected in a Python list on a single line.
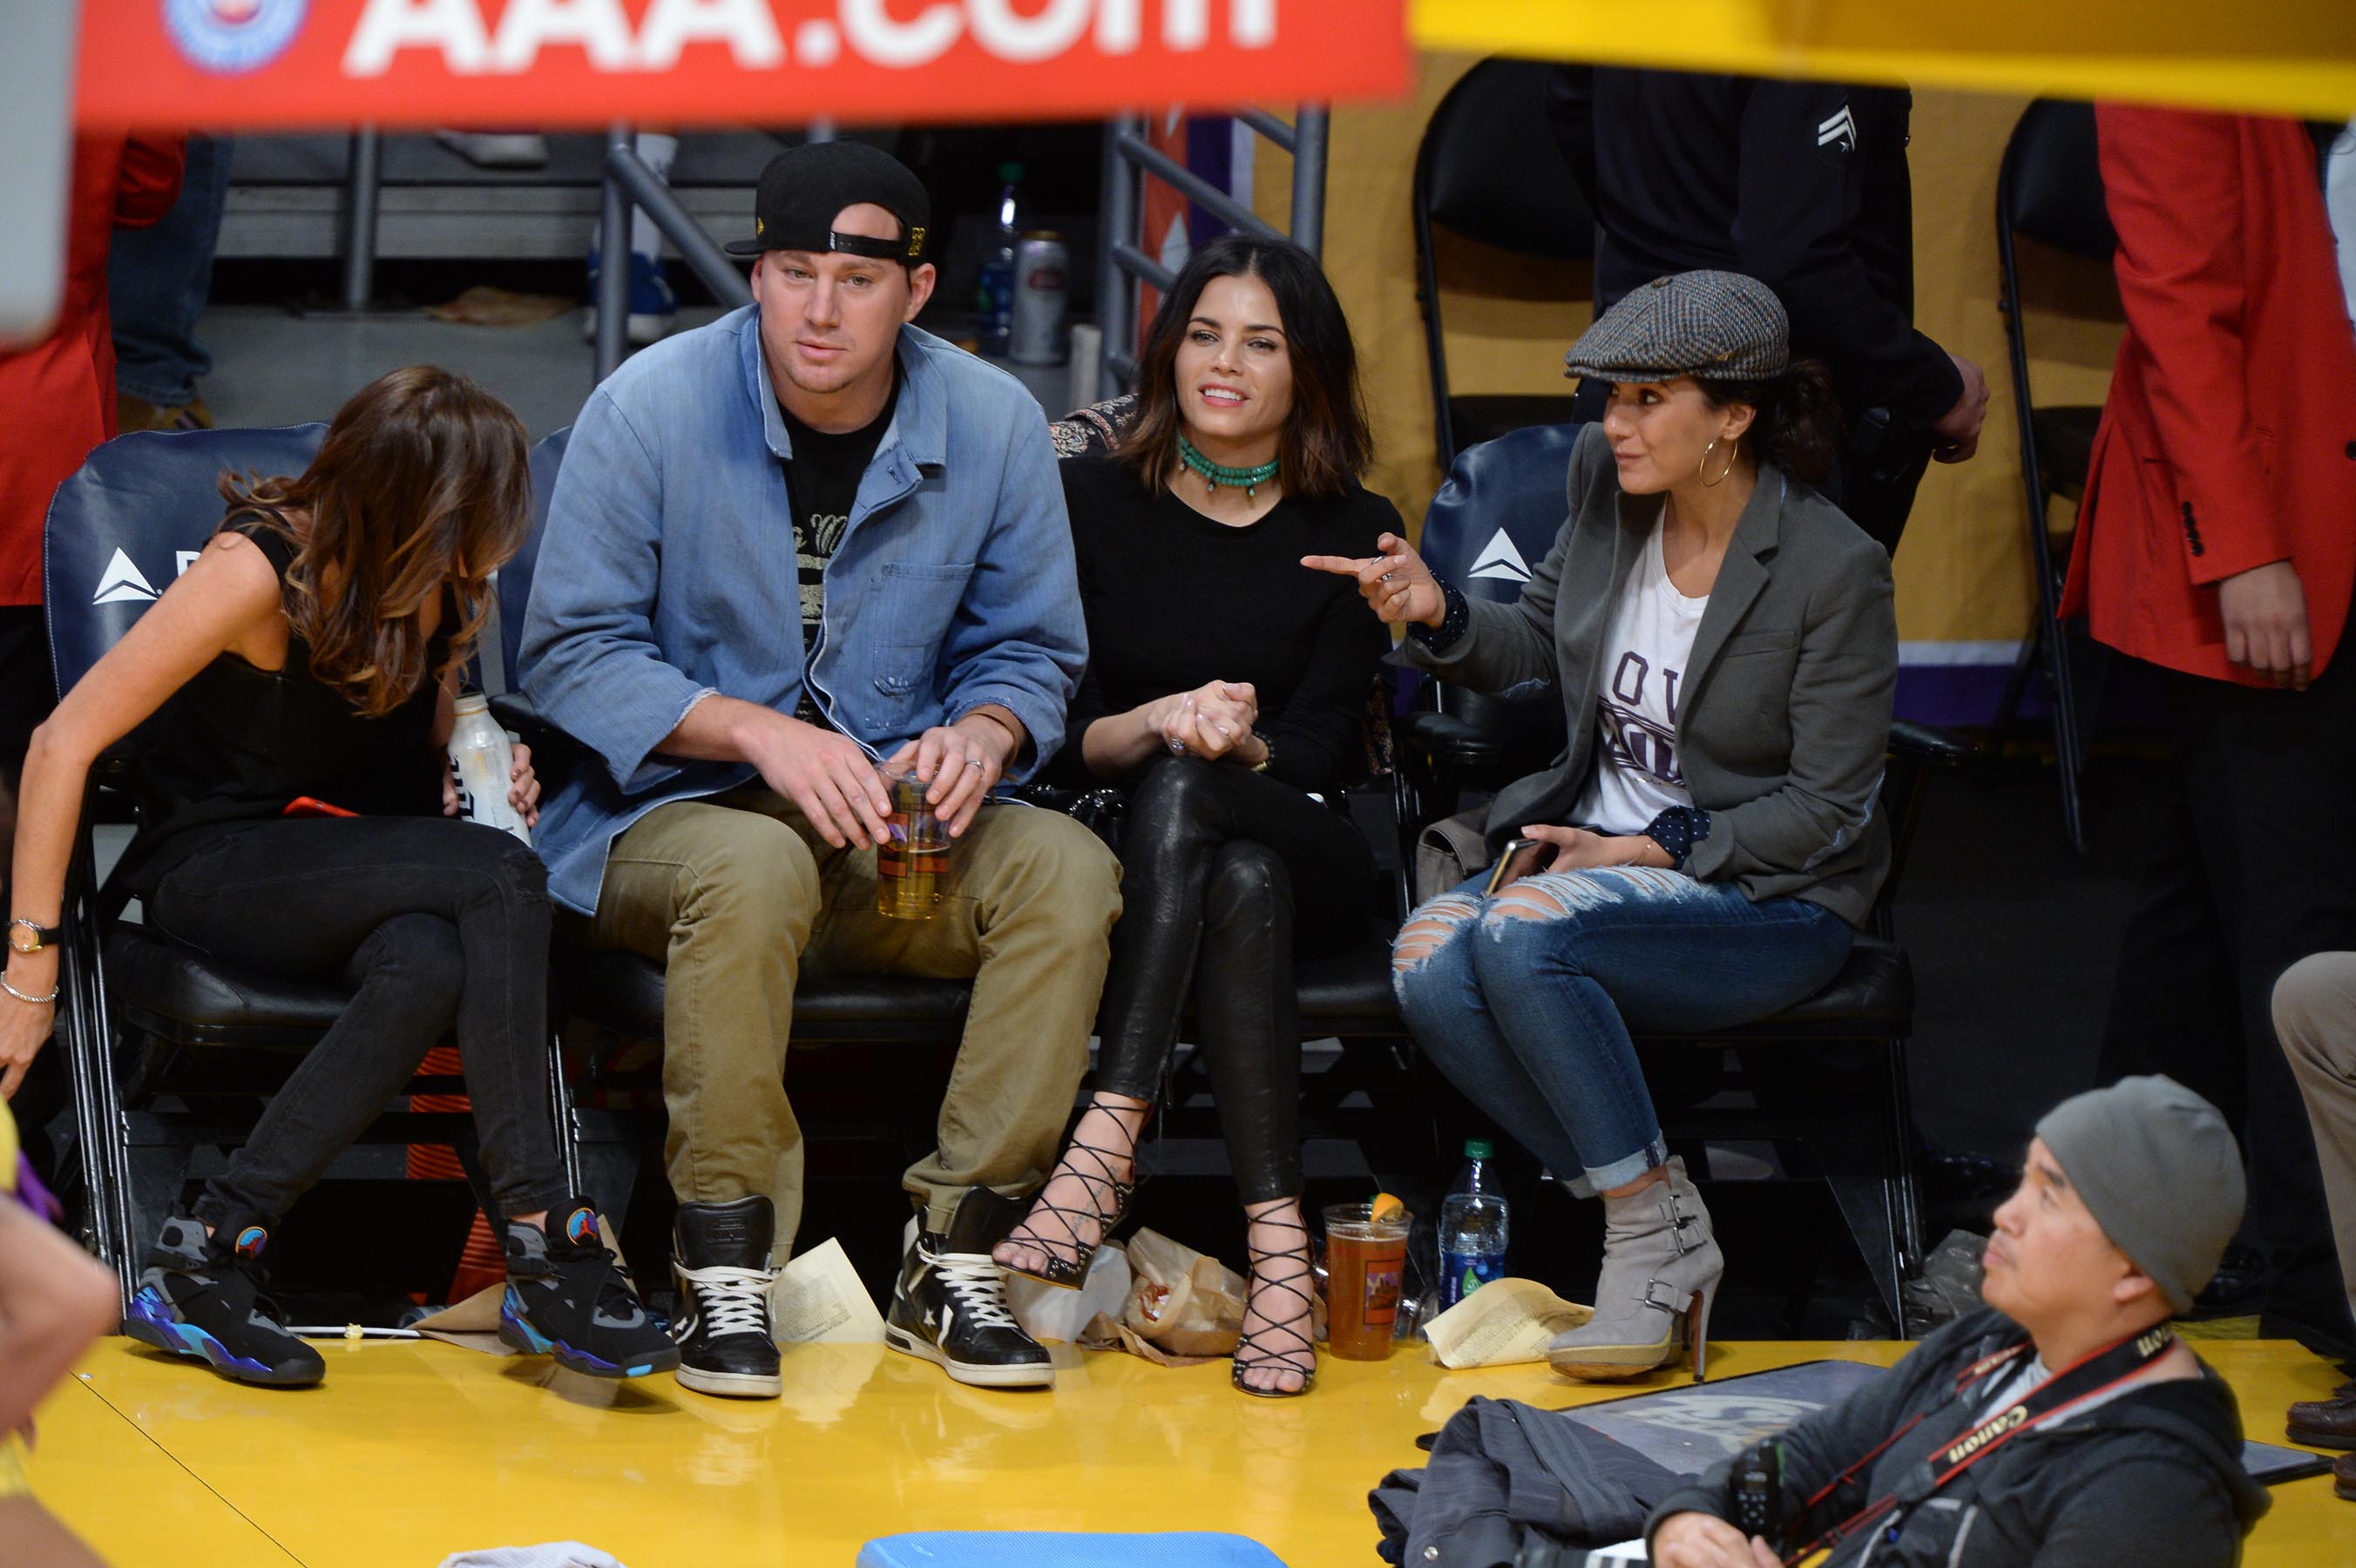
[(2315, 1018), (736, 896)]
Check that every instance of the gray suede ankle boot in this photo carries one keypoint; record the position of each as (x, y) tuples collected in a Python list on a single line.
[(1661, 1269)]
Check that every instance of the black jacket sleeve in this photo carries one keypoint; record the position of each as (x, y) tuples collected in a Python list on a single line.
[(1823, 169)]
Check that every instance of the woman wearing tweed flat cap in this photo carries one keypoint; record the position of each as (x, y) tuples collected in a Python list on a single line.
[(1702, 851)]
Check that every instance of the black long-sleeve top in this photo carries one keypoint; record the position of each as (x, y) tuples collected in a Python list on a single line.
[(1174, 599), (1802, 184)]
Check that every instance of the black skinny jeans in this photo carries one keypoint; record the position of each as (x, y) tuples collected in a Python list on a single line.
[(434, 924), (1225, 875)]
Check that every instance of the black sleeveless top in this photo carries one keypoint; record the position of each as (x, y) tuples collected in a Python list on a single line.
[(238, 743)]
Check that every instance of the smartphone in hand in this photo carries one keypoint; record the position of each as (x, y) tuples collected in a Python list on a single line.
[(1503, 871)]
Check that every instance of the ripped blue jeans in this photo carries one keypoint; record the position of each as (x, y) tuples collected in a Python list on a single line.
[(1526, 1000)]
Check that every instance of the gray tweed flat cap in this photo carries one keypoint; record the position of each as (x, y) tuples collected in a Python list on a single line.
[(1720, 326)]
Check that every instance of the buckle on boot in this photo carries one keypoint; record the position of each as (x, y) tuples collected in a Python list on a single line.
[(1667, 1298), (1679, 1223)]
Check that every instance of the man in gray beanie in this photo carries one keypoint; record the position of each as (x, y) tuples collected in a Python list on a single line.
[(2064, 1423)]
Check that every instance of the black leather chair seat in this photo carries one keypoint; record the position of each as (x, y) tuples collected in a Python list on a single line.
[(183, 995), (1346, 993), (1349, 993), (1484, 416), (626, 991), (2066, 445)]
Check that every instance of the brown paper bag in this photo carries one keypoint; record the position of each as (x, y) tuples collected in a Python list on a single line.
[(1182, 1308), (1185, 1303)]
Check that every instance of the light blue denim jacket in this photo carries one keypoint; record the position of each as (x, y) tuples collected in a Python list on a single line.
[(667, 573)]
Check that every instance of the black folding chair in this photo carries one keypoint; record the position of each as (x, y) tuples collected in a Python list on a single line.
[(1489, 169), (2050, 190), (167, 1049)]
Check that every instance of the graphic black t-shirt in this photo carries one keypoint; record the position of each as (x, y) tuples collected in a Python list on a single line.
[(822, 483)]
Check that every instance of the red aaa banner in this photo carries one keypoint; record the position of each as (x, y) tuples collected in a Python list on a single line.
[(232, 64)]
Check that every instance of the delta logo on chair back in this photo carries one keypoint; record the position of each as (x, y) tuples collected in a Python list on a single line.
[(123, 583), (1500, 559)]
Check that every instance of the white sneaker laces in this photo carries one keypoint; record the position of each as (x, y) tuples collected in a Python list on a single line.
[(979, 1290), (732, 1300)]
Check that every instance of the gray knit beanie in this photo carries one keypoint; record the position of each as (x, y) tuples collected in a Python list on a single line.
[(2160, 1172)]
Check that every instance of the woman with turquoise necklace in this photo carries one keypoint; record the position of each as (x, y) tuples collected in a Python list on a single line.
[(1225, 690)]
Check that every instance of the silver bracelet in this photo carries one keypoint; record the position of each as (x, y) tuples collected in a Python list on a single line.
[(20, 995)]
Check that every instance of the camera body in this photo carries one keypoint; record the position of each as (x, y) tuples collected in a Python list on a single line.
[(1755, 1492)]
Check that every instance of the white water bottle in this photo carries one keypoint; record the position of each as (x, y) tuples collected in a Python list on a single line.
[(480, 756)]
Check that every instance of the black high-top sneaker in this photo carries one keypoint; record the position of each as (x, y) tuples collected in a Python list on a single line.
[(720, 1253), (949, 1306), (569, 1297), (202, 1297)]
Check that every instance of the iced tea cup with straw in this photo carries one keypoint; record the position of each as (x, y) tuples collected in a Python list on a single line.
[(1366, 1257), (911, 859)]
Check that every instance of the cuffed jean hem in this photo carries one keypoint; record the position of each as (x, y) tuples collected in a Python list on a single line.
[(174, 395), (1598, 1178)]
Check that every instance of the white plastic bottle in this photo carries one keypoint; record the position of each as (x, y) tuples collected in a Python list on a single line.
[(480, 754)]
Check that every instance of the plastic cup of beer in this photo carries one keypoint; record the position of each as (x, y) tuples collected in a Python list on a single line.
[(1365, 1259), (912, 860)]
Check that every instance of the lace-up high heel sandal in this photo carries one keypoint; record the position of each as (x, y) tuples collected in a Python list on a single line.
[(1108, 1198), (1278, 1347)]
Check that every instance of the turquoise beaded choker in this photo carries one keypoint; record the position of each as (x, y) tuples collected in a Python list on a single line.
[(1248, 480)]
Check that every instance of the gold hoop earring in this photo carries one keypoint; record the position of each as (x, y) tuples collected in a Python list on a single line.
[(1701, 467)]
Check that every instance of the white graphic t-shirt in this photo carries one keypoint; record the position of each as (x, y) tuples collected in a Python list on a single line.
[(1636, 773)]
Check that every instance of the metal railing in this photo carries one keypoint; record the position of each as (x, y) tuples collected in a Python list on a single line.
[(1122, 264), (630, 184)]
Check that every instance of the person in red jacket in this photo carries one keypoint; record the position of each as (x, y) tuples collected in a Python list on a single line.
[(57, 396), (2218, 543)]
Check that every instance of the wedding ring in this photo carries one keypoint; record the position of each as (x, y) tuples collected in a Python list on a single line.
[(1177, 748), (973, 762)]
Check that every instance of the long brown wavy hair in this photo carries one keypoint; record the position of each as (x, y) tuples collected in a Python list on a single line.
[(1325, 445), (423, 483)]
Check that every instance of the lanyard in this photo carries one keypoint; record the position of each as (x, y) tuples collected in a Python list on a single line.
[(2086, 1379)]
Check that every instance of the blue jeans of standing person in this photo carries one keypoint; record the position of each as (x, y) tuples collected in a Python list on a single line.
[(1526, 1000), (157, 280)]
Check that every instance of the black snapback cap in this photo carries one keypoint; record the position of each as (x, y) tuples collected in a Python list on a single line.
[(804, 187)]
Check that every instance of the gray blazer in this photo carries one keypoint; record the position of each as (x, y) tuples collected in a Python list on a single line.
[(1785, 711)]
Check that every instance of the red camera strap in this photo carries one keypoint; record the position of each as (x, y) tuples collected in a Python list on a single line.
[(2086, 1379)]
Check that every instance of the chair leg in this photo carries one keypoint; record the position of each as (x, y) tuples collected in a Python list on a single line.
[(99, 1135), (1901, 1198), (2069, 728), (560, 1108)]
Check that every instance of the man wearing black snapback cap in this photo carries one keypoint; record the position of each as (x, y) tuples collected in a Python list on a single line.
[(789, 556)]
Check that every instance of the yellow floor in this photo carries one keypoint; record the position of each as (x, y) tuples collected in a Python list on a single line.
[(415, 1450)]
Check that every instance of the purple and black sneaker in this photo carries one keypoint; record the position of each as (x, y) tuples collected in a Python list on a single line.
[(569, 1297), (202, 1296)]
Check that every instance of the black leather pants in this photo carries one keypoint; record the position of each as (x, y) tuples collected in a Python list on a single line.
[(1225, 875)]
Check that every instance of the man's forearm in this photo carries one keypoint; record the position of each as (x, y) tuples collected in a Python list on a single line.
[(720, 729)]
